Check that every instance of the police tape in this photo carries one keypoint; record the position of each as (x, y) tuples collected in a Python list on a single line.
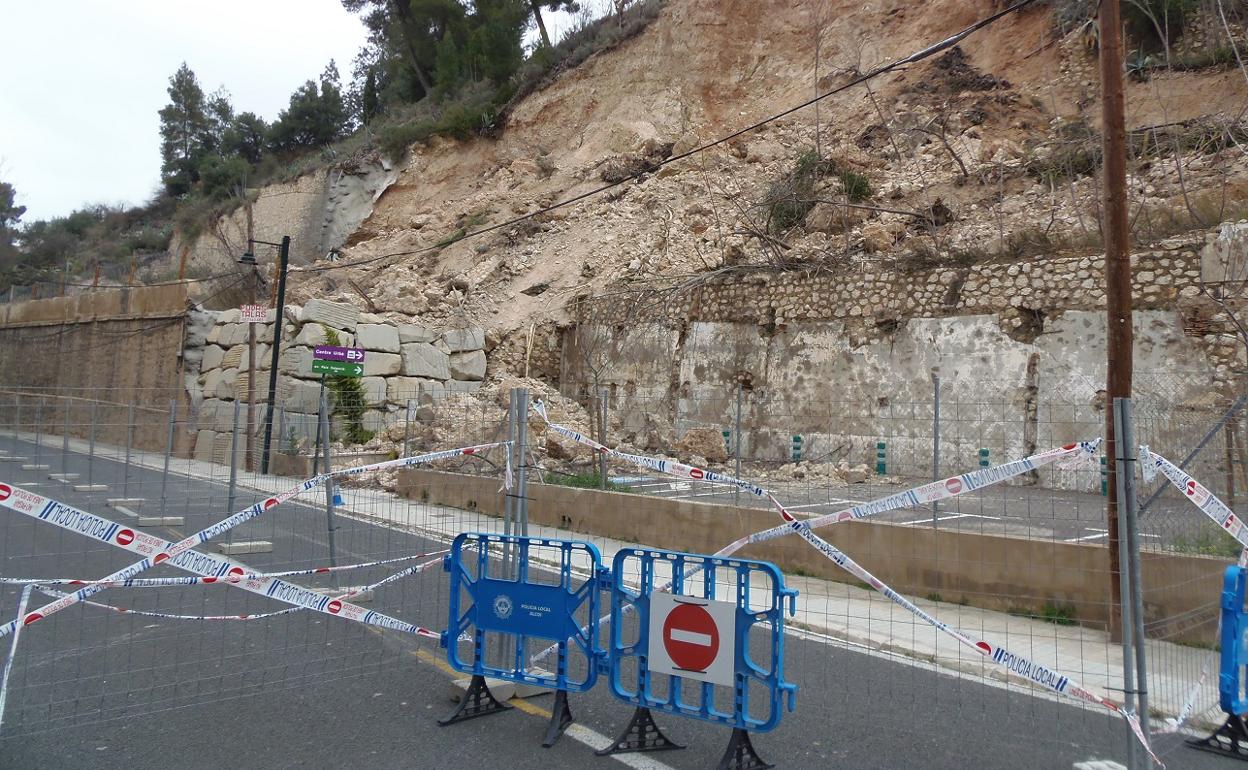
[(1013, 663), (954, 486), (1199, 494), (52, 592), (156, 550), (207, 565), (229, 578)]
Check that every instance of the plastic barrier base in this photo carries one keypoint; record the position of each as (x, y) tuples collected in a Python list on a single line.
[(560, 718), (478, 701), (740, 754), (642, 734), (1229, 740)]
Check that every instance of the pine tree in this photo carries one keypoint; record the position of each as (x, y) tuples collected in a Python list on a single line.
[(317, 115), (370, 100), (184, 128), (554, 5)]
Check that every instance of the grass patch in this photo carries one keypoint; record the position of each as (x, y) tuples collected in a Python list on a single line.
[(1207, 541), (1057, 614)]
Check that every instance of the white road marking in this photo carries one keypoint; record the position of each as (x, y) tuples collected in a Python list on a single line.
[(830, 502), (1087, 537), (951, 517), (597, 741)]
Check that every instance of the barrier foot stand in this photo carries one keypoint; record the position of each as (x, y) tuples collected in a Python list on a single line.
[(560, 718), (1229, 740), (478, 701), (642, 734), (740, 754)]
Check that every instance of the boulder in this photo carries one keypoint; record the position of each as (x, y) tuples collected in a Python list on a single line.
[(339, 315), (468, 366), (314, 334), (420, 359), (380, 337), (374, 390), (204, 441), (399, 390), (212, 357), (296, 361), (703, 442), (416, 333), (300, 395), (382, 364), (471, 338), (233, 358), (462, 386), (225, 385)]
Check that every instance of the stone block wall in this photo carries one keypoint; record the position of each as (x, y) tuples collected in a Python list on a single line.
[(403, 363)]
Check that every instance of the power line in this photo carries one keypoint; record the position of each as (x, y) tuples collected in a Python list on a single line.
[(919, 55)]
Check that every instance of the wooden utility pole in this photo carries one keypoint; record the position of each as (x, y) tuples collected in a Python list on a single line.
[(1117, 236)]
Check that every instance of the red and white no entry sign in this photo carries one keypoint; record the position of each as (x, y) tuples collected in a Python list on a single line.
[(692, 638)]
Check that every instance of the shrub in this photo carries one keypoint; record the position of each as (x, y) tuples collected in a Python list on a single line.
[(348, 397)]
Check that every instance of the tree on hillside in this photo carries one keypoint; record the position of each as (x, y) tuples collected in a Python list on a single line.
[(406, 26), (481, 46), (185, 128), (316, 116), (552, 5), (10, 213), (245, 137)]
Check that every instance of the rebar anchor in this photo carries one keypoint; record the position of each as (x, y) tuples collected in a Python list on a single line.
[(1229, 740)]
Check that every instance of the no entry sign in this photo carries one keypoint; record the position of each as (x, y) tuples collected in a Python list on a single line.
[(692, 638)]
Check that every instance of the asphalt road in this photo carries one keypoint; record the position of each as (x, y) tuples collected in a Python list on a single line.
[(97, 689)]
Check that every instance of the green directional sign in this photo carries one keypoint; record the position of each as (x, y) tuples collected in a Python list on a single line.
[(338, 368)]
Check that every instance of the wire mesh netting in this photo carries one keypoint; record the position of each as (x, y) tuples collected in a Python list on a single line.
[(1021, 564)]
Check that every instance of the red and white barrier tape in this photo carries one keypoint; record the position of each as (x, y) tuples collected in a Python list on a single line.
[(1011, 662), (49, 591), (156, 550), (1199, 494), (208, 566), (187, 581)]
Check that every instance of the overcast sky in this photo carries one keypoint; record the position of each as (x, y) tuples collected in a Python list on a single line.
[(84, 80)]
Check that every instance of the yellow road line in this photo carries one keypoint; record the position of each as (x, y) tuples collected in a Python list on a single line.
[(437, 662)]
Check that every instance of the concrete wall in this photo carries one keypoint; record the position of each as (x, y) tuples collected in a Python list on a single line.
[(993, 572), (109, 346), (846, 360)]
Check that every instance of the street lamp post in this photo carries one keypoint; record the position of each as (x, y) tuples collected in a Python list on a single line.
[(283, 264)]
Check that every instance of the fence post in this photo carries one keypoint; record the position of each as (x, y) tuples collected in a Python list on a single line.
[(522, 438), (602, 436), (65, 436), (935, 438), (1125, 419), (95, 408), (233, 465), (164, 475), (329, 483), (17, 420), (407, 432), (125, 478), (880, 454), (38, 430), (736, 443), (1124, 479)]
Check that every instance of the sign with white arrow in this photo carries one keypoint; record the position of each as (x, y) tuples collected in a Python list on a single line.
[(337, 368)]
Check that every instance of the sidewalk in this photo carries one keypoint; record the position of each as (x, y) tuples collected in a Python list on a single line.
[(833, 612)]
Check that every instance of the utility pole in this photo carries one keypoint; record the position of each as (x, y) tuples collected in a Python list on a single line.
[(1116, 233), (283, 264)]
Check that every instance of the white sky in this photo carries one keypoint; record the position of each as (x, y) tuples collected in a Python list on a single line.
[(84, 80)]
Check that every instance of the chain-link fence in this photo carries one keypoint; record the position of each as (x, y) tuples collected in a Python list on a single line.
[(1022, 564)]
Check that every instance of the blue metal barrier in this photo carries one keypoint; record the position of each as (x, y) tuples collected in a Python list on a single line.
[(1231, 739), (519, 589), (1234, 645), (684, 643)]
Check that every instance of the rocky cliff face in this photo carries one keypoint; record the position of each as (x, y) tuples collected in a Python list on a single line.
[(963, 185)]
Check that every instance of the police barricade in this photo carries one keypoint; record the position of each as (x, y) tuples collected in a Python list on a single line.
[(701, 637), (507, 592), (1231, 739)]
